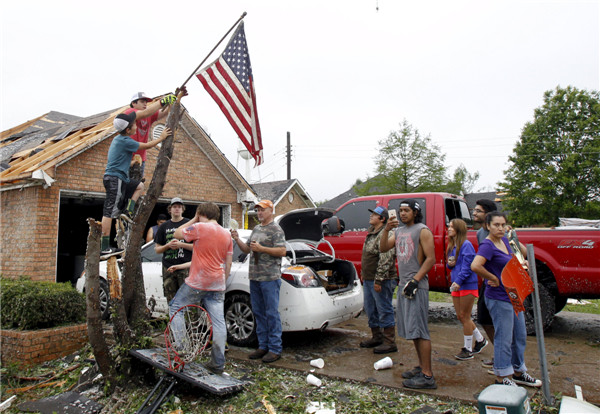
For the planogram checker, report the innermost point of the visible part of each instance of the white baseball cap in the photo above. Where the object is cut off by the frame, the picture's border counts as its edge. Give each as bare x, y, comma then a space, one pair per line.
122, 121
140, 95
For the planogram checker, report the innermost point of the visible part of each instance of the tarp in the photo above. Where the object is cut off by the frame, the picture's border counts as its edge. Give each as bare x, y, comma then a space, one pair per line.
568, 222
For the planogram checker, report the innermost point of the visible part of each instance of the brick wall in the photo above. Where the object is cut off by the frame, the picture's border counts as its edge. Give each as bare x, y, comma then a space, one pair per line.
33, 347
191, 176
29, 219
29, 231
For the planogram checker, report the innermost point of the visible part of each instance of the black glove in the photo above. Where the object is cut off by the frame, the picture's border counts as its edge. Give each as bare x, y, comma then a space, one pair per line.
410, 289
168, 100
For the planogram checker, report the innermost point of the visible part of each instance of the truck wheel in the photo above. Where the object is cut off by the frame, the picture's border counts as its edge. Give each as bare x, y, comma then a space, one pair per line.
547, 304
239, 319
560, 303
104, 299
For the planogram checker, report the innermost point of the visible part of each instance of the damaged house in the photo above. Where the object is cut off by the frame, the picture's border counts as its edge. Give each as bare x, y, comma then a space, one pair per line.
51, 182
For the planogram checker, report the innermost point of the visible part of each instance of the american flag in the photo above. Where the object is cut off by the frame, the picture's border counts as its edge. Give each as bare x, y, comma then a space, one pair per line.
229, 81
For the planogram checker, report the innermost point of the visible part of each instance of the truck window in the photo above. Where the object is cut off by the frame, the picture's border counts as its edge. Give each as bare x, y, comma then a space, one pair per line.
356, 215
395, 204
457, 209
465, 213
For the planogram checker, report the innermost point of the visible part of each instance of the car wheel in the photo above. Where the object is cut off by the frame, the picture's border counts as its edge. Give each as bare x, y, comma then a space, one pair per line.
239, 319
104, 299
547, 303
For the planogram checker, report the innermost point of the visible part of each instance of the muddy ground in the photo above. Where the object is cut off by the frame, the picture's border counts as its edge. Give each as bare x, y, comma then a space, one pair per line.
572, 352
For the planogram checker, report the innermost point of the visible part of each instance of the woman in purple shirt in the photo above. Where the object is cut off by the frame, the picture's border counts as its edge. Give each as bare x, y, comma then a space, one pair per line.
511, 335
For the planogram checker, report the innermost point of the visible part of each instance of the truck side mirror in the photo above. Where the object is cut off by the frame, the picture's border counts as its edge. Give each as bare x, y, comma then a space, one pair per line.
333, 225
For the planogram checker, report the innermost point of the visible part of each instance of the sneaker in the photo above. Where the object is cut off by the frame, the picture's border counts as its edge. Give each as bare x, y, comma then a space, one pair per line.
419, 381
127, 216
111, 251
271, 357
258, 354
488, 363
526, 379
411, 373
479, 345
506, 381
491, 372
464, 354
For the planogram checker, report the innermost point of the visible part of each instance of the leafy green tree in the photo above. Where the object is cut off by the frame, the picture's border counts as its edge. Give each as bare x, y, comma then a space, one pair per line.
408, 162
555, 166
462, 181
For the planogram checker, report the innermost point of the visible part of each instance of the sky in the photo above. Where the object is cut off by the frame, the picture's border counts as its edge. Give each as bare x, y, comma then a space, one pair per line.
339, 75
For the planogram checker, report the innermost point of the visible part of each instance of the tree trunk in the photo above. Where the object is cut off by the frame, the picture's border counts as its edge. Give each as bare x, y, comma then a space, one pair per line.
132, 307
92, 289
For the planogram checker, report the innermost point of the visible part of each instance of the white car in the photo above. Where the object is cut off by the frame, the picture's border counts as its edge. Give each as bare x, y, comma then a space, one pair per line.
317, 291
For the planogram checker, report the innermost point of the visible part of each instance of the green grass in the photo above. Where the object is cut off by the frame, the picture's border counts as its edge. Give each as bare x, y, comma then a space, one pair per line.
440, 297
285, 390
592, 307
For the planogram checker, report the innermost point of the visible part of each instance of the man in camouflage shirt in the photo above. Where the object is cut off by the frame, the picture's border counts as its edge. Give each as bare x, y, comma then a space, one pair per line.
267, 246
379, 278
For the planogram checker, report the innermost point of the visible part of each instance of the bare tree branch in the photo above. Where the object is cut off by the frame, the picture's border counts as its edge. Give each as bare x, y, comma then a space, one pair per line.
92, 289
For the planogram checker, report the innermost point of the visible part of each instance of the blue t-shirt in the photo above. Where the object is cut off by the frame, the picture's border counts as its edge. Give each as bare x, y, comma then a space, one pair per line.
461, 273
119, 156
496, 259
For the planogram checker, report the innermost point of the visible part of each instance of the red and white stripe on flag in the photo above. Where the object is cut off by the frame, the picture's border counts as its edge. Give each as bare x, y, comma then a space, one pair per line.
229, 81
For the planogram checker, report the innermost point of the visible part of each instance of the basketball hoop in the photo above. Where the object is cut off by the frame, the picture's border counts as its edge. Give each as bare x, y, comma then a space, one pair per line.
187, 334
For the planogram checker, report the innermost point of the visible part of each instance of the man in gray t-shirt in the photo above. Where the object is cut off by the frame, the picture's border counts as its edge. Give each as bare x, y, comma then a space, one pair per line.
415, 252
267, 246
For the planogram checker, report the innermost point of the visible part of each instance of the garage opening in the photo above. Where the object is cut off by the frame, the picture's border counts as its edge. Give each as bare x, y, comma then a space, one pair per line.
73, 229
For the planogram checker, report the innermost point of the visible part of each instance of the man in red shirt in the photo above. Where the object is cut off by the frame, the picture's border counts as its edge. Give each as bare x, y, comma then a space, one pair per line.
209, 270
146, 115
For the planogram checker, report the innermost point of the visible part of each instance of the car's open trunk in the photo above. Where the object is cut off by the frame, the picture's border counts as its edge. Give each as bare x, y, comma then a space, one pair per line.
336, 277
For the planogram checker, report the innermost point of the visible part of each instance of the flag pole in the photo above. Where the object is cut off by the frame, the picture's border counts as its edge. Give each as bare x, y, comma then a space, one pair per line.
213, 49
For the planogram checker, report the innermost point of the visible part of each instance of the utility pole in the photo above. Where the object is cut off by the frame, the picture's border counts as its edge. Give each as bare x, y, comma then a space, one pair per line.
289, 157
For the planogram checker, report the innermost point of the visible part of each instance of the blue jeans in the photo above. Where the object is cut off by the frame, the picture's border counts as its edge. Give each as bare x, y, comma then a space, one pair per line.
264, 297
213, 302
509, 339
378, 305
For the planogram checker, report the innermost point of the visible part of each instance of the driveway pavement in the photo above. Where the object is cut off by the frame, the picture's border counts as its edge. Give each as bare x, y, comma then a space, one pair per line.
572, 349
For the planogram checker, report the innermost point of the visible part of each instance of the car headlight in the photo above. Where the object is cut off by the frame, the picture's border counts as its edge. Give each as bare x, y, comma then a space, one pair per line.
301, 276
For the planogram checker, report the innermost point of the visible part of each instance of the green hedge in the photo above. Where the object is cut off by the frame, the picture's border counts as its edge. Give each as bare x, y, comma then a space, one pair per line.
38, 305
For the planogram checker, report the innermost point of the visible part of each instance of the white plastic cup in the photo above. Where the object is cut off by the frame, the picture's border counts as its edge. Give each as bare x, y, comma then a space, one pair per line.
317, 363
384, 363
312, 380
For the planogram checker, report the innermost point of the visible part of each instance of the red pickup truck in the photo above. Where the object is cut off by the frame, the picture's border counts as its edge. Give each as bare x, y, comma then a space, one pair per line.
567, 261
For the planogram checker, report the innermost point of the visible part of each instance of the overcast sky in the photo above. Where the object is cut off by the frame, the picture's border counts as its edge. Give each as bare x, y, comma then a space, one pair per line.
338, 75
